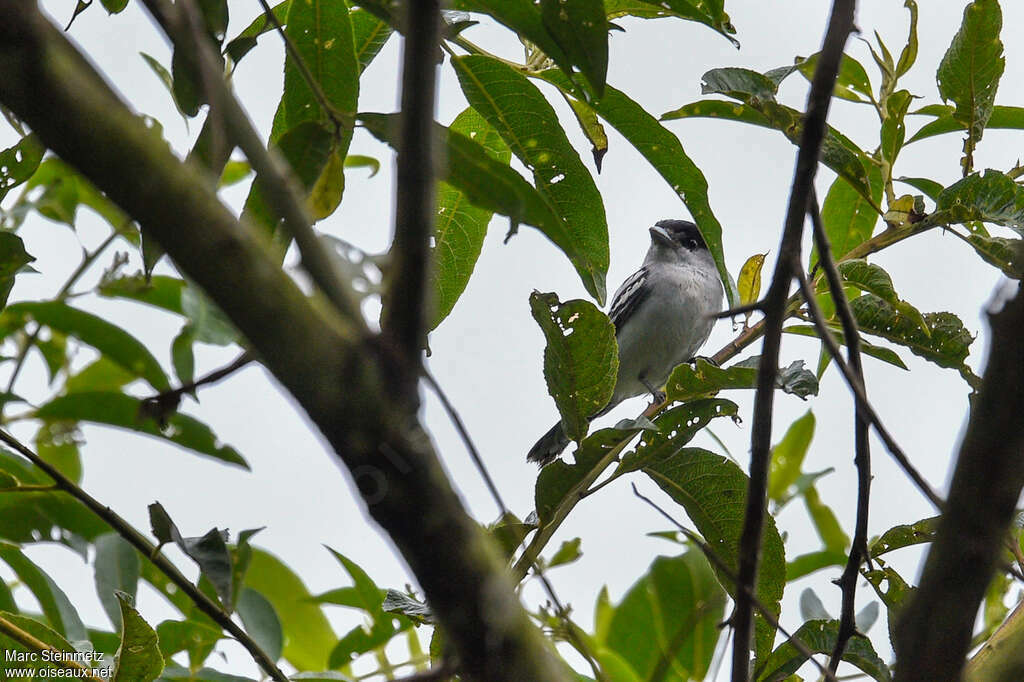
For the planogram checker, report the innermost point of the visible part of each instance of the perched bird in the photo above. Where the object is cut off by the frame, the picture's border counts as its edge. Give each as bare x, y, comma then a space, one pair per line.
662, 314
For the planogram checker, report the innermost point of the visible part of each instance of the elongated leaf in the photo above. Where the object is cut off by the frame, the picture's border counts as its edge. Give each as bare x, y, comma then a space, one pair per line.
110, 340
460, 227
665, 153
580, 359
849, 218
909, 53
528, 124
261, 622
969, 72
713, 492
1002, 117
369, 35
676, 427
930, 188
240, 45
893, 591
18, 163
25, 657
879, 352
591, 126
852, 83
819, 636
872, 279
310, 636
704, 380
711, 14
750, 278
904, 535
991, 197
668, 620
788, 454
116, 570
116, 409
1005, 254
947, 344
64, 191
195, 638
581, 30
58, 609
825, 521
13, 257
138, 658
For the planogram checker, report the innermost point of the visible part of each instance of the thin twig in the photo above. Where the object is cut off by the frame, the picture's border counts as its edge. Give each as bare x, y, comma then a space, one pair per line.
167, 401
726, 570
273, 173
149, 550
403, 321
811, 138
855, 386
304, 71
478, 462
740, 310
862, 450
27, 640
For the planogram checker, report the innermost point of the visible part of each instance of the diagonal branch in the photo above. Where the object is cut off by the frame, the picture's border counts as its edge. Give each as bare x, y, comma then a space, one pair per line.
151, 552
933, 633
861, 424
813, 133
335, 369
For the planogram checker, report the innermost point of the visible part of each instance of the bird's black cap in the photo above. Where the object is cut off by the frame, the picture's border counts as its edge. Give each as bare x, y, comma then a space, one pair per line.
683, 232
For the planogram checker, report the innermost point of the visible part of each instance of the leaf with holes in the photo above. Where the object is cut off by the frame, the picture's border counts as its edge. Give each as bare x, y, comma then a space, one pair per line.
819, 636
991, 197
873, 279
676, 427
18, 163
905, 535
580, 359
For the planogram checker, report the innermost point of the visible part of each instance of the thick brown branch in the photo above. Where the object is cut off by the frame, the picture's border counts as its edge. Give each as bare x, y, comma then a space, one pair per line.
328, 362
818, 100
934, 631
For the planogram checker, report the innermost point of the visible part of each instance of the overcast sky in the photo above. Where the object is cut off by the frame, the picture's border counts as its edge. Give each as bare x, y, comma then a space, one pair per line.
488, 354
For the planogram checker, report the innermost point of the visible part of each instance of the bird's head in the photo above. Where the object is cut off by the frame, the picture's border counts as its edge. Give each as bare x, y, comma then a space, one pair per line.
677, 241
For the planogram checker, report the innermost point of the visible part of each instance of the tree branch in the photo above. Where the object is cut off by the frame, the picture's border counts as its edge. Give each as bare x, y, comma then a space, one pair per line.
861, 424
403, 318
333, 367
150, 551
812, 135
933, 633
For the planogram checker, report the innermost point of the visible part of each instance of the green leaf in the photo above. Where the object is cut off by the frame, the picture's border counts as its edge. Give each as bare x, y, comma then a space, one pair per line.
713, 492
370, 596
322, 33
1005, 254
115, 570
591, 127
182, 357
580, 28
110, 340
749, 283
852, 83
208, 323
65, 190
102, 375
947, 344
13, 257
30, 658
210, 552
568, 552
166, 79
894, 130
711, 14
261, 622
750, 87
403, 604
879, 352
60, 613
991, 197
909, 53
787, 456
806, 564
905, 535
369, 35
460, 227
195, 638
240, 45
116, 409
893, 591
509, 532
930, 188
675, 428
58, 446
825, 521
1002, 117
819, 636
19, 162
872, 279
310, 637
668, 620
580, 358
307, 148
158, 291
970, 70
665, 153
234, 172
138, 658
530, 127
704, 380
325, 195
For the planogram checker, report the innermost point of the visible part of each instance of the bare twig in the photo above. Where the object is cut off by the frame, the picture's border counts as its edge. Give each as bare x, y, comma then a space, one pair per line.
149, 550
862, 451
273, 173
740, 310
403, 321
168, 401
933, 632
818, 100
726, 570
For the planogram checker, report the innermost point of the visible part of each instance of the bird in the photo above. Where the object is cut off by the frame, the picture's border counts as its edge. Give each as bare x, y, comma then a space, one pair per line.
663, 313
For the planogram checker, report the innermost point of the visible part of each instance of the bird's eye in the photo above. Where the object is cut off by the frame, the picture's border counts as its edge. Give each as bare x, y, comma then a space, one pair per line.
691, 244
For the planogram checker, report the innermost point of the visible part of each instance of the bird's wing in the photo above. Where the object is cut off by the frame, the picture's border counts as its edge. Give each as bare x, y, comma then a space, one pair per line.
628, 298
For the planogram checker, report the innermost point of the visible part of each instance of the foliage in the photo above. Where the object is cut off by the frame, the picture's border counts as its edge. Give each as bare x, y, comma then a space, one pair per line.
666, 625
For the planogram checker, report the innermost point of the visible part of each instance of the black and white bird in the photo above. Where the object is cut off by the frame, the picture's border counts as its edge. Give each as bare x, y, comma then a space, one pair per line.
663, 313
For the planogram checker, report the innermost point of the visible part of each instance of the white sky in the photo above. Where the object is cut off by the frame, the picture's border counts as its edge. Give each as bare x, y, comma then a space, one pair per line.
488, 354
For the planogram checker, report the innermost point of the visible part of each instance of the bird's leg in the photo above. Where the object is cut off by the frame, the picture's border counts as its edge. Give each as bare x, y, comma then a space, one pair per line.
657, 396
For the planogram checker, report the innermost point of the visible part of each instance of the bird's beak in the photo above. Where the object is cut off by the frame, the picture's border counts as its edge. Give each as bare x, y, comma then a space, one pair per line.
659, 234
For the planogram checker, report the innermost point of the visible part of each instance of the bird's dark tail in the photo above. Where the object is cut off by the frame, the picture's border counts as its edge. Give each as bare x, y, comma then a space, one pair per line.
550, 445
